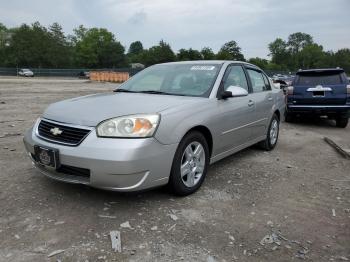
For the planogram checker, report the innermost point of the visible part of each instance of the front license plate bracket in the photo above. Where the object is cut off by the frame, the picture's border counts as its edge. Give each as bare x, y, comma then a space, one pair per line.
47, 156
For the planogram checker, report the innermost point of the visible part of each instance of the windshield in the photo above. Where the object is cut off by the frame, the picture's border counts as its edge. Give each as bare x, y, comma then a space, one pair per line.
174, 79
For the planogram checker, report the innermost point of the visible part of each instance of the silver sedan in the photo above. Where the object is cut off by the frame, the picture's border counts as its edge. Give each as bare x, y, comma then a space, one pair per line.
163, 126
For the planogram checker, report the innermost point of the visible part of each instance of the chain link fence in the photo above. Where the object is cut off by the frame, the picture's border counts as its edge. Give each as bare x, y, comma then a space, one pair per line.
64, 72
76, 71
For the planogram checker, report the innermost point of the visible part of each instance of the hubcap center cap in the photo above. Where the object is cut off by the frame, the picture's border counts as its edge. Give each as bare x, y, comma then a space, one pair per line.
192, 164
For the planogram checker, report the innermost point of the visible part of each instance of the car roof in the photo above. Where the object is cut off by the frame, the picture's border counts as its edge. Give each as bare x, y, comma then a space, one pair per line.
213, 62
320, 71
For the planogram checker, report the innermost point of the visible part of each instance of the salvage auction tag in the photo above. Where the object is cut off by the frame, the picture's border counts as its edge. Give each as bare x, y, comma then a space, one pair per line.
198, 67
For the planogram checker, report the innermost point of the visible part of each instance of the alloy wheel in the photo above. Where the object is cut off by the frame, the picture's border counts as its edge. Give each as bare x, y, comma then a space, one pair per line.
192, 164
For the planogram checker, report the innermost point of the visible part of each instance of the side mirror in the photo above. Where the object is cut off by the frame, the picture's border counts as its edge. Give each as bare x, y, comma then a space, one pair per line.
277, 85
234, 91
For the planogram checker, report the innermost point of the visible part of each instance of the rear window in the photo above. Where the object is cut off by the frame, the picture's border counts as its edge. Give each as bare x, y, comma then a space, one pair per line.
314, 80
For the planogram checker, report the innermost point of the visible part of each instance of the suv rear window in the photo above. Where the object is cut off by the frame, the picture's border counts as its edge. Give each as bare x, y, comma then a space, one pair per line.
324, 79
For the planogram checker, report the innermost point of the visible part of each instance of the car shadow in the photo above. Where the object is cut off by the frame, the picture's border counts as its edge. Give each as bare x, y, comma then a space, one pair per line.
313, 121
87, 193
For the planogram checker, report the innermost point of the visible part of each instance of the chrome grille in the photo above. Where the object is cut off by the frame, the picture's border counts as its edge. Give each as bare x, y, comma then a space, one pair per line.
68, 135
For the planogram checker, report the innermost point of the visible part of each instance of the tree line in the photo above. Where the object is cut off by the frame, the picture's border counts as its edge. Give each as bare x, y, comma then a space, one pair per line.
49, 47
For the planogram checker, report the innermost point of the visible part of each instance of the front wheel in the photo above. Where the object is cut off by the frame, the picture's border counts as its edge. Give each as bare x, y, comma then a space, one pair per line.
272, 134
190, 164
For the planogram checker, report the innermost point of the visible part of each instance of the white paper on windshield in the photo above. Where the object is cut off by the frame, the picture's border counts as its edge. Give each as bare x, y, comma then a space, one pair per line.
204, 68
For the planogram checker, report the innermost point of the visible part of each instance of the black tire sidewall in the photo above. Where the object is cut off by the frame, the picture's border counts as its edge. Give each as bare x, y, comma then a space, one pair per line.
175, 180
342, 122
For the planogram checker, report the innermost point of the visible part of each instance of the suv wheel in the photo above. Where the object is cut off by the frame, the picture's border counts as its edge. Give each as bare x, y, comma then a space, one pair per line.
342, 121
190, 164
272, 134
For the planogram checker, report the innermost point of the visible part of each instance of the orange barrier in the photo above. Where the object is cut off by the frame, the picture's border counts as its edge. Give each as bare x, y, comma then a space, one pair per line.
105, 76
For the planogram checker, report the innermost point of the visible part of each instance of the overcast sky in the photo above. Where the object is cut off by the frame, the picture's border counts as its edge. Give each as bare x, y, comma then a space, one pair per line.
194, 23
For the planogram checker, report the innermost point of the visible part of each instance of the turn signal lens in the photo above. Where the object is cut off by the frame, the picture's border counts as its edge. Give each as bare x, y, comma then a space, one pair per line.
290, 90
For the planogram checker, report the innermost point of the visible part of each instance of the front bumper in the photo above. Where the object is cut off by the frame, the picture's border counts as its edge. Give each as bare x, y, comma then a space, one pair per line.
319, 109
114, 164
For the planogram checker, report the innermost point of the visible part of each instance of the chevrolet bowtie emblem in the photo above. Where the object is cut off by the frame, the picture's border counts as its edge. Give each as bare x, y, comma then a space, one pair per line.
56, 131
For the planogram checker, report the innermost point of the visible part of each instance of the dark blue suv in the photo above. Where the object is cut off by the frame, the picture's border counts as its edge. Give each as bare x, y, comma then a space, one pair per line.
320, 92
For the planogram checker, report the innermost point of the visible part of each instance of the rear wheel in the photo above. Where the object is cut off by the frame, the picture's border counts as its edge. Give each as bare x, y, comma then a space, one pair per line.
272, 134
342, 121
190, 164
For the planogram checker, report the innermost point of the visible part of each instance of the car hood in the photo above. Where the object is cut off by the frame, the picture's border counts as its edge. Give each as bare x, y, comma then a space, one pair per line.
92, 109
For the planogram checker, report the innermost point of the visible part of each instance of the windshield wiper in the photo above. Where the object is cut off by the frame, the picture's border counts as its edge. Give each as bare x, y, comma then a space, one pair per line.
124, 90
160, 93
147, 92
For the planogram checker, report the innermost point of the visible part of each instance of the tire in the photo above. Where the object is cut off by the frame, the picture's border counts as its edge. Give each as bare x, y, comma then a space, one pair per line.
288, 117
342, 121
188, 180
272, 134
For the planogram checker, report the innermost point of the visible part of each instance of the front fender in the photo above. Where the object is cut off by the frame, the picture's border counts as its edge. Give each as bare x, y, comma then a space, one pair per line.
175, 123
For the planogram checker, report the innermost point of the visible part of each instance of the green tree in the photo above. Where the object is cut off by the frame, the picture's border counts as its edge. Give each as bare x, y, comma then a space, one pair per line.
297, 41
97, 47
60, 50
310, 56
135, 48
275, 67
189, 55
29, 46
230, 51
260, 62
3, 44
278, 52
79, 33
3, 35
207, 53
135, 52
342, 59
158, 54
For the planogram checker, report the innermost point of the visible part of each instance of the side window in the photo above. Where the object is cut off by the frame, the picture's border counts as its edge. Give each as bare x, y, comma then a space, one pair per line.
267, 83
257, 80
236, 77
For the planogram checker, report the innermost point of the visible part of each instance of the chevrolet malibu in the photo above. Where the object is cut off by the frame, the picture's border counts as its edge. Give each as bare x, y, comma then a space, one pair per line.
163, 126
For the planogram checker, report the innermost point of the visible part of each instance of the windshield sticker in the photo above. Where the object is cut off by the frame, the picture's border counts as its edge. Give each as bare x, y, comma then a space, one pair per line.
206, 68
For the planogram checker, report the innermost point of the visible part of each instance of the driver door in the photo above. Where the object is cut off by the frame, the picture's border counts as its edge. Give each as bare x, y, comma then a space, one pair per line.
237, 113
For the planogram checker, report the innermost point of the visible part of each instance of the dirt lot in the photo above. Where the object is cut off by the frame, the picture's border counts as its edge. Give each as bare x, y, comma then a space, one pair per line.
299, 193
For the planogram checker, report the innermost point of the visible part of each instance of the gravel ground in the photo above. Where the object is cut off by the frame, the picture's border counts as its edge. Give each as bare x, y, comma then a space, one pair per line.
298, 196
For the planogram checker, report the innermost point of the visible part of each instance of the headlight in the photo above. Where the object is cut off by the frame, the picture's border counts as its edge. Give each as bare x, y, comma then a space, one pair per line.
129, 126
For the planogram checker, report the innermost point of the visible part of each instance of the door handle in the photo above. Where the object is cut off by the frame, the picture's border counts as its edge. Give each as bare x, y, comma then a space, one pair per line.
270, 98
250, 103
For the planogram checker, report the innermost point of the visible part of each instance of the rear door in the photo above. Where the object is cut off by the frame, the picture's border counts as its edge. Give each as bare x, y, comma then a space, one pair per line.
320, 87
263, 99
